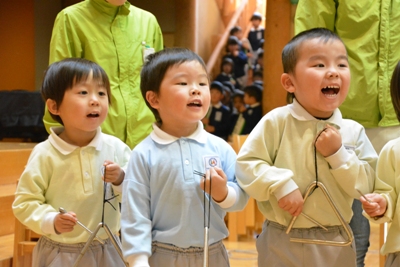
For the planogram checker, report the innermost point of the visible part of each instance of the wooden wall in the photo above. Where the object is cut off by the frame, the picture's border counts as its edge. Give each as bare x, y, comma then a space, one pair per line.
17, 55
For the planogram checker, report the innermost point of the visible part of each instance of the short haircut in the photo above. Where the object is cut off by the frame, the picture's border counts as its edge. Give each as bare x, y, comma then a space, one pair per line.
63, 75
157, 65
290, 51
238, 93
395, 90
227, 61
254, 91
234, 30
256, 16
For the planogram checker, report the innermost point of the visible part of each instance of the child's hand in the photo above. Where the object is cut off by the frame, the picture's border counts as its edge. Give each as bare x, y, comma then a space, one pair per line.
242, 108
329, 141
113, 173
292, 203
377, 207
65, 222
219, 188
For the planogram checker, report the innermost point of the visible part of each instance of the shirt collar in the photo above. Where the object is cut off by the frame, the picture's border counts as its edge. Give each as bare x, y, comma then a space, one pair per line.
301, 114
255, 105
218, 105
107, 8
66, 148
163, 138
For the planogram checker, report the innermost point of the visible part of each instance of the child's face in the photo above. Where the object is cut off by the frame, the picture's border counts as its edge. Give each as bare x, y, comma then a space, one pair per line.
216, 96
321, 77
238, 103
227, 68
84, 106
184, 96
256, 23
249, 100
233, 47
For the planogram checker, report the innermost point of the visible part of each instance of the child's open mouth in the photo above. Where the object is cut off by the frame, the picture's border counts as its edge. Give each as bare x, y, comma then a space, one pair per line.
331, 90
195, 104
93, 115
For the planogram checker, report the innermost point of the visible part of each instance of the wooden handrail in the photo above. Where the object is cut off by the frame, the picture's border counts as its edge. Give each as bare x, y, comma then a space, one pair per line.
222, 42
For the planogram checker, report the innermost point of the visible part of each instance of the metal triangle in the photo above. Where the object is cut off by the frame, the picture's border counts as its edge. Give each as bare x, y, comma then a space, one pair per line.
338, 215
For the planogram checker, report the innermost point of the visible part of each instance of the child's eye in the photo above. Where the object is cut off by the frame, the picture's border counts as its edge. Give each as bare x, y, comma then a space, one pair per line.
182, 83
83, 92
203, 84
343, 65
102, 93
320, 65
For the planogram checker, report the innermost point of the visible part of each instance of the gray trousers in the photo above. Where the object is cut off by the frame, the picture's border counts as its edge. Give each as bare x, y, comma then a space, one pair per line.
167, 255
276, 250
48, 253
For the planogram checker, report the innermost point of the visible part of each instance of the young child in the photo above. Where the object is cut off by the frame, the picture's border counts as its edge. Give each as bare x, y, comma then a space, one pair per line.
237, 121
66, 170
239, 59
384, 201
217, 118
256, 33
227, 72
117, 36
253, 114
301, 143
162, 205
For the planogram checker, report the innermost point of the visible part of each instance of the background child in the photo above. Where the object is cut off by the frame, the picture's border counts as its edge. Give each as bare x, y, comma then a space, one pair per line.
239, 59
162, 218
253, 114
227, 72
65, 170
384, 201
237, 120
305, 142
256, 33
217, 119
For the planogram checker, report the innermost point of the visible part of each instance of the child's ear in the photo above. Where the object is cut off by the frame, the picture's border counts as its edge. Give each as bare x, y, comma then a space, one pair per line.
52, 106
287, 83
152, 98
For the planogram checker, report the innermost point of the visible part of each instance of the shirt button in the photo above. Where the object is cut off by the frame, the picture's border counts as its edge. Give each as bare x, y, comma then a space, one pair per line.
187, 162
86, 174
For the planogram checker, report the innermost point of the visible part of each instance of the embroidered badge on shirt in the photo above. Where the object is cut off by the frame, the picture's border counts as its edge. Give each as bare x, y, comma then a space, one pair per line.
211, 161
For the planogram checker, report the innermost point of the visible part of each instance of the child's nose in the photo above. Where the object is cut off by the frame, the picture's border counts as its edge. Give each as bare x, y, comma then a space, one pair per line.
194, 91
94, 101
332, 73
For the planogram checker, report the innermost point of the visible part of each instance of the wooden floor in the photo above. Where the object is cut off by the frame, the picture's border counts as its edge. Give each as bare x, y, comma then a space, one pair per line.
244, 254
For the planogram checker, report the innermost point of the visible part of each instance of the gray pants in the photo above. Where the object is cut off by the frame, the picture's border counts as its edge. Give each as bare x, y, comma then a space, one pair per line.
167, 255
48, 253
276, 250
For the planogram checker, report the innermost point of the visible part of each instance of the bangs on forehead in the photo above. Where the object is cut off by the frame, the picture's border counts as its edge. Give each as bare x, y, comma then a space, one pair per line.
83, 74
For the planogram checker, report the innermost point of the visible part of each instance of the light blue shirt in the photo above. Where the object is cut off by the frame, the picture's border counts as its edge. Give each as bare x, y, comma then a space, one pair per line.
162, 199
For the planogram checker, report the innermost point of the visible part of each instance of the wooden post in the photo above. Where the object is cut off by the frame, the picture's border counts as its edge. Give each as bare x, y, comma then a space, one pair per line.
277, 34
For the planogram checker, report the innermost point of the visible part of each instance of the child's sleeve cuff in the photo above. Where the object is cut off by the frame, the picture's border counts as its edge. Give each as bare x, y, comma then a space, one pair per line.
230, 199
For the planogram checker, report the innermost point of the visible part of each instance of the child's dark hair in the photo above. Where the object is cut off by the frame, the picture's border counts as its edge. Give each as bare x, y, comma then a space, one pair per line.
228, 61
234, 30
63, 75
290, 51
254, 91
158, 64
395, 90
